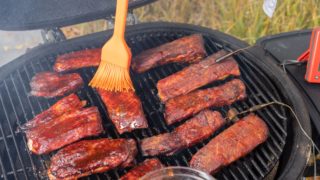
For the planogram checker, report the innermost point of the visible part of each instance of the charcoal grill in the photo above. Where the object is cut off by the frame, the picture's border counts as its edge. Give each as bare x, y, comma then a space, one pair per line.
285, 152
264, 82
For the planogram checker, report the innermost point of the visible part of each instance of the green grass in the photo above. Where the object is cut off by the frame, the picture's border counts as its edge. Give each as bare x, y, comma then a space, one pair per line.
244, 19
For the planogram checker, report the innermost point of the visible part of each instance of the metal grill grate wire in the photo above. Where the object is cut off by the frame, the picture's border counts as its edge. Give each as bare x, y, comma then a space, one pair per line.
16, 107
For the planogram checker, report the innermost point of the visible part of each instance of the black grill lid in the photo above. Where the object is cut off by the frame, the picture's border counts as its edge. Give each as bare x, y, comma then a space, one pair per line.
37, 14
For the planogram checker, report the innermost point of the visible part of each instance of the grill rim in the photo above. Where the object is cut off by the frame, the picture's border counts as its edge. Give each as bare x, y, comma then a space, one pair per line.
301, 147
298, 104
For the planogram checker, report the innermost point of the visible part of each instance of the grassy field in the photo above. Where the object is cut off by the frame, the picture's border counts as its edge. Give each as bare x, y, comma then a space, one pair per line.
244, 19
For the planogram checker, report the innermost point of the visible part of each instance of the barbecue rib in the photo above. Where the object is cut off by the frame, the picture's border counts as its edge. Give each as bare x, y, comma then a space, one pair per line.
77, 60
184, 106
124, 109
65, 105
51, 84
191, 132
197, 75
233, 143
142, 169
63, 130
187, 49
91, 156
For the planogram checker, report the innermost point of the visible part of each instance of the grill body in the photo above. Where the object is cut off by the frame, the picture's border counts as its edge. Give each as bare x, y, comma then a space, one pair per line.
264, 81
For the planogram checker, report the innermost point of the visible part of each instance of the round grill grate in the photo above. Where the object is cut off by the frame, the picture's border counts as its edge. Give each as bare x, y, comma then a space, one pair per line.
16, 107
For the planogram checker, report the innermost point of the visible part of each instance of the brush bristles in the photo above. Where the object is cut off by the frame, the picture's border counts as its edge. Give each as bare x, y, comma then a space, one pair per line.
112, 78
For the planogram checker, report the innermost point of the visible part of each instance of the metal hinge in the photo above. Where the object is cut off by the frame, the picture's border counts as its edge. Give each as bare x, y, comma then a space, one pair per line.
131, 20
52, 35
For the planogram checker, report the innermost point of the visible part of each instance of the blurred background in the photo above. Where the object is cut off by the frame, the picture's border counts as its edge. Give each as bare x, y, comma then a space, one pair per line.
244, 19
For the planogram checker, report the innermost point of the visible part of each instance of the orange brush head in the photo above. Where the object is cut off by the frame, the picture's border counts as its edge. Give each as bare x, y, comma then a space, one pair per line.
112, 78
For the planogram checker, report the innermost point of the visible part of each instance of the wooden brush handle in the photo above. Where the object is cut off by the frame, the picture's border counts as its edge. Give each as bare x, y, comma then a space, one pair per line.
121, 18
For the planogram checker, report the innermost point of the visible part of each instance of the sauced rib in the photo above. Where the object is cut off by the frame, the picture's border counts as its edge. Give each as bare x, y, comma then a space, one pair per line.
233, 143
187, 49
77, 60
64, 105
142, 169
51, 84
197, 75
124, 109
184, 106
191, 132
91, 156
63, 130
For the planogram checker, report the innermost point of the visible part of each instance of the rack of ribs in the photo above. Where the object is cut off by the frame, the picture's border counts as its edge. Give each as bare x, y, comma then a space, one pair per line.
124, 109
184, 106
65, 105
142, 169
188, 134
51, 84
63, 130
77, 60
197, 75
91, 156
233, 143
189, 49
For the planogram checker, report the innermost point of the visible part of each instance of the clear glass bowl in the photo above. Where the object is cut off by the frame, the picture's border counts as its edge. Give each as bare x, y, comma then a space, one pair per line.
177, 173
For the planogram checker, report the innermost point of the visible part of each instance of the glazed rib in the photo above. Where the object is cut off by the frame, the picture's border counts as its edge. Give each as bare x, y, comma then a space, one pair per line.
124, 109
142, 169
63, 130
64, 105
51, 84
197, 75
187, 49
233, 143
77, 60
91, 156
191, 132
184, 106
